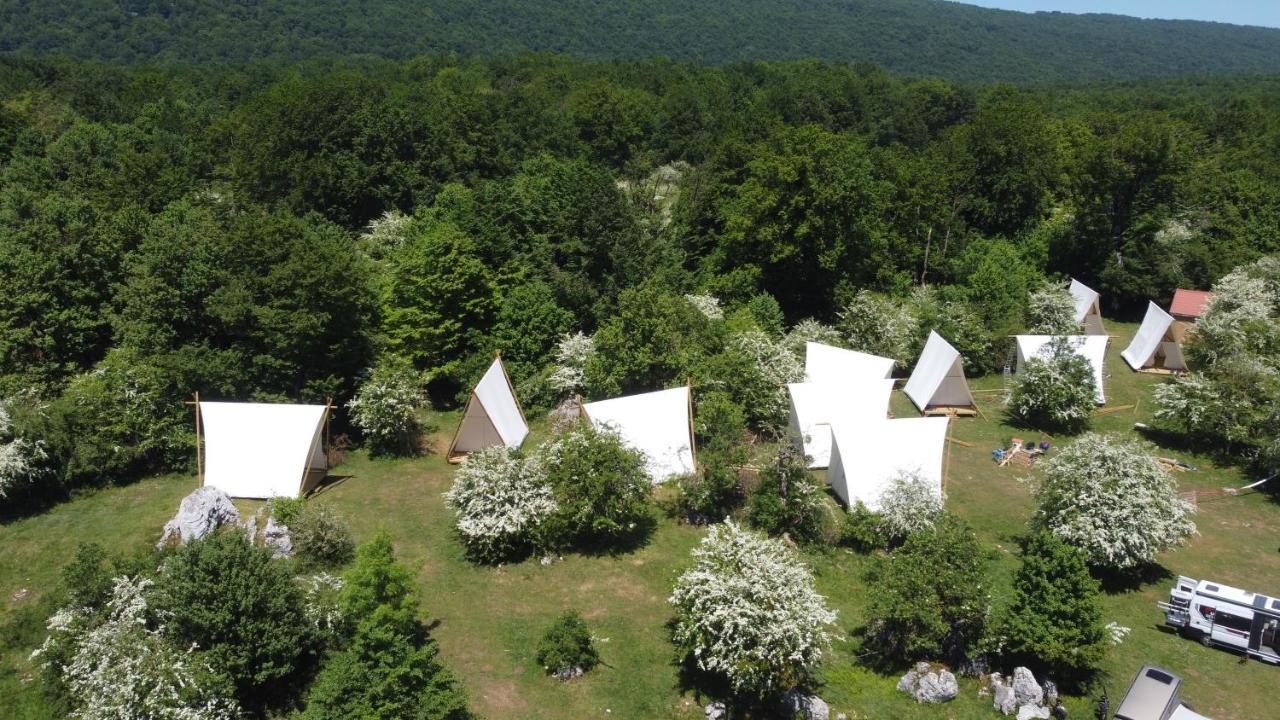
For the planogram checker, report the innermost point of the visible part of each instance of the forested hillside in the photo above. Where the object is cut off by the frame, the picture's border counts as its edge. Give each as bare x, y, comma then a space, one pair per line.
925, 37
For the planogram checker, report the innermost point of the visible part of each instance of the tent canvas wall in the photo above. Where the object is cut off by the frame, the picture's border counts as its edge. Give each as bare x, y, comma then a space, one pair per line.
867, 456
1091, 347
816, 406
658, 424
824, 363
261, 450
493, 415
1088, 310
938, 377
1154, 345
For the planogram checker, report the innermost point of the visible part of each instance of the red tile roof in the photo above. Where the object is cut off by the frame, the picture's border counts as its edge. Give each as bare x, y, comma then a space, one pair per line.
1189, 303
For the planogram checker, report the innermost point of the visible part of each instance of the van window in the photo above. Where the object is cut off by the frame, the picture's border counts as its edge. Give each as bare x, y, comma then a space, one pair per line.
1235, 622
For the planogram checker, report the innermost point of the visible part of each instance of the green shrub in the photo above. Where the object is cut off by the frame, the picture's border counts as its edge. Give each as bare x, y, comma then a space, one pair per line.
385, 408
86, 580
243, 612
713, 492
566, 650
789, 500
719, 423
601, 489
1057, 392
321, 538
285, 509
861, 529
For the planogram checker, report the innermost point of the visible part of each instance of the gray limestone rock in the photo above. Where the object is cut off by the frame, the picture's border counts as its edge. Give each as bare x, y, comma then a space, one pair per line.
805, 707
200, 513
1025, 687
276, 537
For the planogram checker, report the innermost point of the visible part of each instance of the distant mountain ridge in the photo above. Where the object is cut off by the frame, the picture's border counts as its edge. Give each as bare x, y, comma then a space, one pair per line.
927, 37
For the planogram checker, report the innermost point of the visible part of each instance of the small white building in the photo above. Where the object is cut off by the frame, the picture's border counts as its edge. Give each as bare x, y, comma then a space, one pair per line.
867, 456
262, 450
658, 424
937, 382
493, 415
816, 406
1091, 347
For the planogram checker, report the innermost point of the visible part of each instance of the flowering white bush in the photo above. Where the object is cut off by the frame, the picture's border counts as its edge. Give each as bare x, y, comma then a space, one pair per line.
762, 388
500, 499
1051, 310
749, 611
810, 330
320, 593
22, 463
880, 325
385, 408
1109, 498
1116, 632
707, 305
1059, 391
572, 355
386, 233
908, 505
120, 669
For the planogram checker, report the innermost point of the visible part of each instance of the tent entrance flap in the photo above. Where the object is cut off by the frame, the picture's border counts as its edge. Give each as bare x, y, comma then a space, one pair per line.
493, 416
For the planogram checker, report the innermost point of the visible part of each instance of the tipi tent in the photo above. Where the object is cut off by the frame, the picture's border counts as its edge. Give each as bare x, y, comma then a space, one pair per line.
824, 363
262, 450
1091, 347
1154, 344
1088, 310
658, 424
937, 381
867, 456
493, 415
816, 406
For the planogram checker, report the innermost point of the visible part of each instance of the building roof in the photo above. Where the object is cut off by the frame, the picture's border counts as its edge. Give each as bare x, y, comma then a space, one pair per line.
1189, 303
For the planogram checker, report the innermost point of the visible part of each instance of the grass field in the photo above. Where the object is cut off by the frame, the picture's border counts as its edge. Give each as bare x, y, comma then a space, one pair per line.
489, 619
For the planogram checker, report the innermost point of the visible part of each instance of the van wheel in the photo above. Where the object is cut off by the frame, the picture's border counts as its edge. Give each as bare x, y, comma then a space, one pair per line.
1205, 640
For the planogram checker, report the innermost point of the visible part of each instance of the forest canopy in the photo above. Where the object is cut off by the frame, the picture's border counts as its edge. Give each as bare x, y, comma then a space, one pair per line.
923, 37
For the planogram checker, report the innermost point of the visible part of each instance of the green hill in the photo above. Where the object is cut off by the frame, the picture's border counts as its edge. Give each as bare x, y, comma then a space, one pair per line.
912, 36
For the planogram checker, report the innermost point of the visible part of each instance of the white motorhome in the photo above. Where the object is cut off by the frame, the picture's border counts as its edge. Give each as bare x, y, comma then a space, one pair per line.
1217, 614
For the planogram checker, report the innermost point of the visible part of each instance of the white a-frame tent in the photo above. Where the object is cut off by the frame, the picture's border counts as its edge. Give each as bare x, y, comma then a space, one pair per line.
824, 363
1088, 310
261, 450
1155, 346
867, 456
815, 407
937, 382
1091, 347
493, 415
658, 424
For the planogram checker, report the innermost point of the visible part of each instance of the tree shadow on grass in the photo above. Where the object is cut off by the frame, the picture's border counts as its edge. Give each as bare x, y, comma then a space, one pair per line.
1115, 582
616, 545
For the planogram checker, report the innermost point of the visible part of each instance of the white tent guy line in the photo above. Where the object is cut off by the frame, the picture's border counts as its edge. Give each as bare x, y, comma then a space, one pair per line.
1154, 341
1091, 347
816, 406
938, 377
262, 450
824, 363
867, 456
658, 424
1088, 310
493, 415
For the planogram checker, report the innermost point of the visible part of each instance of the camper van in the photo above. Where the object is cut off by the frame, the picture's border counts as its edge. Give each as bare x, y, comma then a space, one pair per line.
1218, 614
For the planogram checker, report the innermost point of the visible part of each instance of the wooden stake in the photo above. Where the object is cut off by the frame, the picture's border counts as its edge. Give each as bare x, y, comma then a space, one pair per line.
946, 465
199, 461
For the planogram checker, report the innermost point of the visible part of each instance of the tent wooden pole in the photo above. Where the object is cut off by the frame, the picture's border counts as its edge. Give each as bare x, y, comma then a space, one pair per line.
199, 460
693, 442
328, 418
946, 465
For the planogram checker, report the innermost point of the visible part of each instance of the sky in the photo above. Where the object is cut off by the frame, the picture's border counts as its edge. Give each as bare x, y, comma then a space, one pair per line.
1240, 12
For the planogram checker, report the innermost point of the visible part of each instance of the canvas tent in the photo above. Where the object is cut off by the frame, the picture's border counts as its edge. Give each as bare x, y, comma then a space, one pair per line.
1088, 310
1154, 345
867, 456
493, 415
262, 450
824, 363
937, 381
1091, 347
658, 424
816, 406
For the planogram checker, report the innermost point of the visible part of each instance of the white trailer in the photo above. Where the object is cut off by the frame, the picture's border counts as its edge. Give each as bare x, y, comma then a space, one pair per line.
1217, 614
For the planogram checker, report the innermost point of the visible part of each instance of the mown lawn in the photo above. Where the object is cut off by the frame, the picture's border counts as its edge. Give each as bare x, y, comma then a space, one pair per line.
488, 619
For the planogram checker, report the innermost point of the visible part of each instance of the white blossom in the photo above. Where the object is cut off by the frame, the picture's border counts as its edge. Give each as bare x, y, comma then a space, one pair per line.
908, 505
386, 234
1051, 310
1112, 500
765, 393
22, 463
880, 325
748, 610
385, 407
119, 669
320, 601
707, 305
810, 330
499, 499
572, 355
1116, 632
